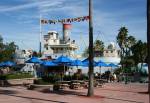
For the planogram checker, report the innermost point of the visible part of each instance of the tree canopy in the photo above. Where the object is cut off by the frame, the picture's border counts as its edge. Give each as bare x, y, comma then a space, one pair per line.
132, 51
7, 50
98, 49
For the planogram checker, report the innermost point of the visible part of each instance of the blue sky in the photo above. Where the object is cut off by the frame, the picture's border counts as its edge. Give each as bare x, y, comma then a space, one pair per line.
19, 19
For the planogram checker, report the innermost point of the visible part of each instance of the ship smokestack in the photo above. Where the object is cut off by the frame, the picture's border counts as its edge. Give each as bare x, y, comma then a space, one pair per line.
66, 32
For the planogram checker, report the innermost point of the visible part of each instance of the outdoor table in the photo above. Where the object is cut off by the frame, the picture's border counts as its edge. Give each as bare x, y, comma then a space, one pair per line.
77, 81
75, 85
63, 84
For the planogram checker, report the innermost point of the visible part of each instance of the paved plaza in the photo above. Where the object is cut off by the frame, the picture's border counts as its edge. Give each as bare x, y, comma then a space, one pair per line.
110, 93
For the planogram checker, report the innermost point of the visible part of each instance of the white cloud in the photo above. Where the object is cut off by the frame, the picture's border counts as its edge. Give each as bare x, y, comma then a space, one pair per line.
32, 4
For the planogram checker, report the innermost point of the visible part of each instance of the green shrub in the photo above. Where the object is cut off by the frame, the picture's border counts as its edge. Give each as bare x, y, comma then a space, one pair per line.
15, 76
51, 78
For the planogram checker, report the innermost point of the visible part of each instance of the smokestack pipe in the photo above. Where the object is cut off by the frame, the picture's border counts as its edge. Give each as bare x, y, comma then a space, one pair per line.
66, 32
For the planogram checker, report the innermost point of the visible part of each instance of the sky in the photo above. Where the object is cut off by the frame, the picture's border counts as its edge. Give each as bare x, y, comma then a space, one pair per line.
19, 20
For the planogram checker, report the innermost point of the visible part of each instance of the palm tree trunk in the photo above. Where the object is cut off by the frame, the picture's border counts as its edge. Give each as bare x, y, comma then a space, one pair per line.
148, 41
91, 69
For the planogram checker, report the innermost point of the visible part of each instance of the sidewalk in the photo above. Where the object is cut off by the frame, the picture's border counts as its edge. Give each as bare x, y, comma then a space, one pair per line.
111, 93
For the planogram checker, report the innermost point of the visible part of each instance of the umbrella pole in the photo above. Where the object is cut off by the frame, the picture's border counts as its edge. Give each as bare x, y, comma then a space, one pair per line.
77, 73
35, 74
111, 69
110, 74
64, 72
100, 72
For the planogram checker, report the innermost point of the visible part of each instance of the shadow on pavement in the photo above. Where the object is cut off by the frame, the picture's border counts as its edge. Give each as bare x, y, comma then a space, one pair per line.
123, 100
64, 92
144, 92
8, 92
36, 98
119, 90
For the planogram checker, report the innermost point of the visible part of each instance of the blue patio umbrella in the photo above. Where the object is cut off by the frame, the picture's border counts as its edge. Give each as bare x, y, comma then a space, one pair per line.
2, 64
49, 63
86, 62
112, 65
8, 63
63, 60
76, 63
34, 60
101, 64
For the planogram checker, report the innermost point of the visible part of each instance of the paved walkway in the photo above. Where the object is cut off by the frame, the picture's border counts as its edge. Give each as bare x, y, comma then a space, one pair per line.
111, 93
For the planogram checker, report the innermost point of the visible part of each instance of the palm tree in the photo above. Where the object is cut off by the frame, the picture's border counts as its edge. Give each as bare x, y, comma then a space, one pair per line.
130, 42
121, 39
139, 51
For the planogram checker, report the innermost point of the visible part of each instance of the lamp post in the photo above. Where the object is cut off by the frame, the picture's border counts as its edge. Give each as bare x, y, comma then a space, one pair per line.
91, 69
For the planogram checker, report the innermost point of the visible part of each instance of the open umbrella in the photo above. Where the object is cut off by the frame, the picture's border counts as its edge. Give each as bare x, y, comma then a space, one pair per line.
49, 63
2, 64
112, 65
8, 64
86, 62
76, 63
63, 60
101, 64
34, 60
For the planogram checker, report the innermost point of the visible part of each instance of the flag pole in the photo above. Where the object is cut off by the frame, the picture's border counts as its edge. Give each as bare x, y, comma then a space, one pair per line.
40, 37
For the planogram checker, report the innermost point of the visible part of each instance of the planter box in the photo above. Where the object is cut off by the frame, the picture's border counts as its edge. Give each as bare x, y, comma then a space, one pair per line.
13, 82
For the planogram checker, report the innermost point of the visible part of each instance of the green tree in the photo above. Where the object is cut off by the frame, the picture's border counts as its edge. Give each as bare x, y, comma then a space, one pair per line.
7, 50
139, 51
125, 43
1, 43
98, 47
121, 39
129, 43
